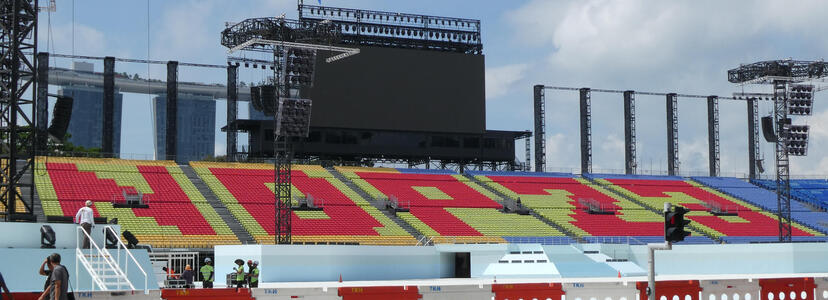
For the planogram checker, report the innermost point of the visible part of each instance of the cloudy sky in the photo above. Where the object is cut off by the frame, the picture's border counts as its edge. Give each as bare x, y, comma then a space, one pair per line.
659, 46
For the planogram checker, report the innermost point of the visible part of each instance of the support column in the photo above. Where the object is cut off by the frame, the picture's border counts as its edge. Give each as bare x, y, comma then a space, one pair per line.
586, 130
42, 103
540, 128
528, 166
783, 172
108, 132
172, 109
232, 112
713, 134
753, 136
672, 135
629, 132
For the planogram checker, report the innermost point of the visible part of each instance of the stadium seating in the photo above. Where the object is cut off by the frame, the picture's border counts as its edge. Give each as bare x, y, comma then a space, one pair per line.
247, 191
178, 215
767, 199
558, 198
811, 191
654, 191
447, 206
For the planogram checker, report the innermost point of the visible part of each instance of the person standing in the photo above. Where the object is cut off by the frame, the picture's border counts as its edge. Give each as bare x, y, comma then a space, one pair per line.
207, 274
254, 274
46, 270
188, 275
86, 218
240, 276
59, 280
4, 288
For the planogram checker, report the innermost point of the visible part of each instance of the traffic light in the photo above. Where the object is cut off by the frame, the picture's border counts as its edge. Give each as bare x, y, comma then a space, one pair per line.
674, 223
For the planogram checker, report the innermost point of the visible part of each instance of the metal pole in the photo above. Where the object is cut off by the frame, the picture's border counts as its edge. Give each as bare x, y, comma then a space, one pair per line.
652, 247
540, 128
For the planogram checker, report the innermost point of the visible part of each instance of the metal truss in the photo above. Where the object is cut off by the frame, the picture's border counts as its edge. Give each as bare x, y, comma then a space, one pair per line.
18, 91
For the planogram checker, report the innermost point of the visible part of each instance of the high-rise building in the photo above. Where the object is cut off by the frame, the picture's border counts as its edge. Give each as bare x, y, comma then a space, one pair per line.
195, 127
86, 123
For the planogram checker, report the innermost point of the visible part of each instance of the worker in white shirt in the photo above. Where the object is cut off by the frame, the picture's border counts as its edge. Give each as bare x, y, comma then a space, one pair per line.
86, 219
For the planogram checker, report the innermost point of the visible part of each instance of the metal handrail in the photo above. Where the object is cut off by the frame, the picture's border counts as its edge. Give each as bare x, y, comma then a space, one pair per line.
107, 257
122, 245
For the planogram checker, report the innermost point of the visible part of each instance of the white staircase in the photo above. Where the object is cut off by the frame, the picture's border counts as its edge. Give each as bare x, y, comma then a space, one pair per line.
108, 271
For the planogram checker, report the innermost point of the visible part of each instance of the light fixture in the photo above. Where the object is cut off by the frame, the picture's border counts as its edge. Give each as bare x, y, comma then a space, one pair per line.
47, 237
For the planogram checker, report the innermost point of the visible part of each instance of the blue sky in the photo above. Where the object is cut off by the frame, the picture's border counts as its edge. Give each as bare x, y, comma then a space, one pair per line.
663, 46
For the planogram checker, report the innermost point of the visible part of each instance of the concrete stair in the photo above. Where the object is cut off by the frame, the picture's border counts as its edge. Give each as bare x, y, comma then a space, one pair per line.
222, 211
379, 204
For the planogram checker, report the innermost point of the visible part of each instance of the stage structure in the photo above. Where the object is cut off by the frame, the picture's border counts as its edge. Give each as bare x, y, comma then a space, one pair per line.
671, 125
294, 49
792, 96
18, 99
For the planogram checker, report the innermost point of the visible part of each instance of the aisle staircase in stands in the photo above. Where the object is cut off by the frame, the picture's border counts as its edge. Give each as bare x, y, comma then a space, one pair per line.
644, 205
379, 204
509, 202
221, 210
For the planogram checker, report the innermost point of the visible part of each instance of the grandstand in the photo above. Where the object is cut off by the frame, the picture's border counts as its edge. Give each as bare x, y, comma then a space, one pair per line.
247, 191
584, 209
178, 216
447, 206
388, 206
715, 214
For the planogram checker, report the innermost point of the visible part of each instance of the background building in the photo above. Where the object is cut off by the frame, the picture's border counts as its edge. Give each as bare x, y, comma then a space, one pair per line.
195, 129
86, 124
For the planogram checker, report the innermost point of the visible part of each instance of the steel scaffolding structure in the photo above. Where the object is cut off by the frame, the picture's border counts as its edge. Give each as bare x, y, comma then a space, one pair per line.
672, 135
629, 132
18, 95
780, 75
713, 135
586, 130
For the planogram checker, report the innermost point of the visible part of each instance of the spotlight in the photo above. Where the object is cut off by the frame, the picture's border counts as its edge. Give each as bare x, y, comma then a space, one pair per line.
246, 65
47, 237
131, 240
111, 239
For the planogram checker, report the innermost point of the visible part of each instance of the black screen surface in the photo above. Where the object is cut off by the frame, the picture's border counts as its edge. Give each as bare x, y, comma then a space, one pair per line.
400, 89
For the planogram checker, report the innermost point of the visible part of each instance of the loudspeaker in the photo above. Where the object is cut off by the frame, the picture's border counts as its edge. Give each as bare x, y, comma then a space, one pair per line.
61, 115
767, 129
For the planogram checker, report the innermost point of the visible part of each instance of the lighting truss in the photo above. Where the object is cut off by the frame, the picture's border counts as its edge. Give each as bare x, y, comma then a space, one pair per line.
263, 45
766, 72
398, 30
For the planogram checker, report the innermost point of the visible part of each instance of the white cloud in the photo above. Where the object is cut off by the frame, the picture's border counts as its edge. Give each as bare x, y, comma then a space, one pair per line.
184, 31
88, 40
560, 153
685, 47
501, 80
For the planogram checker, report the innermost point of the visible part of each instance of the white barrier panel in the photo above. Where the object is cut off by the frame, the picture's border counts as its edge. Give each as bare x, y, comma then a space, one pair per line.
297, 293
737, 289
136, 295
455, 292
821, 288
600, 291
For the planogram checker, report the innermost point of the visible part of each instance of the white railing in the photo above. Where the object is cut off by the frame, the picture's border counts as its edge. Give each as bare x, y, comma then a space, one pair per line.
122, 246
95, 260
